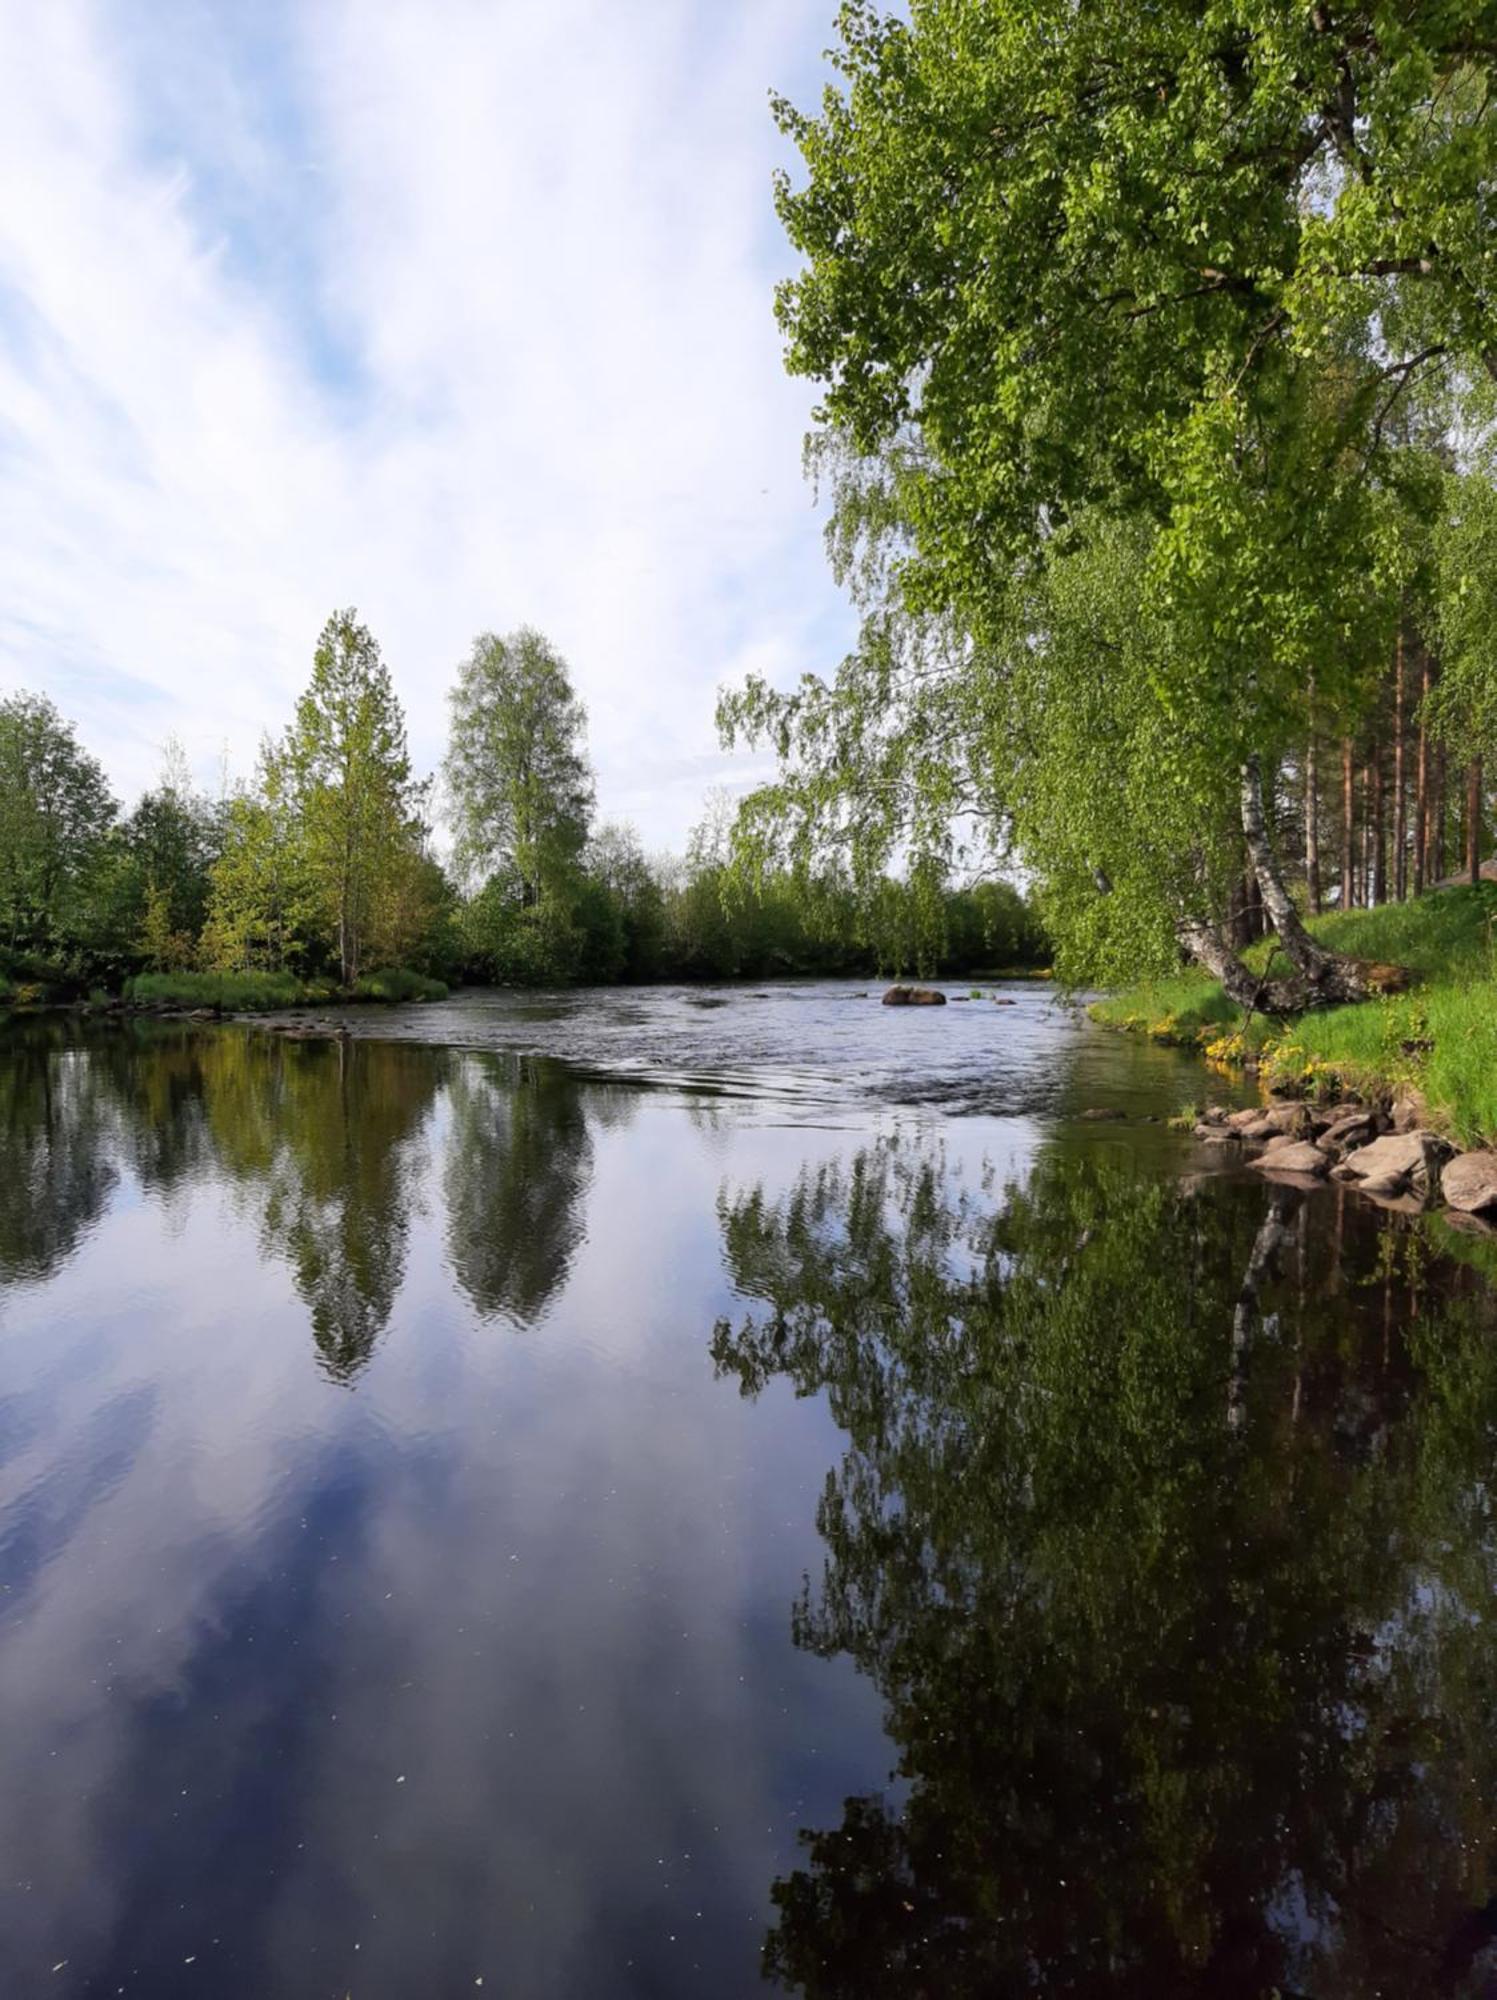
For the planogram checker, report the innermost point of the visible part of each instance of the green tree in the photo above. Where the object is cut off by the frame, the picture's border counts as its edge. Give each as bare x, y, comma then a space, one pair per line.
349, 776
516, 772
1068, 266
263, 903
56, 811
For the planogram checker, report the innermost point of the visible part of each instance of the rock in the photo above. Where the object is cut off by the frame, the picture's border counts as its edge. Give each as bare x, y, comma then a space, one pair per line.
914, 996
1214, 1114
1356, 1128
1293, 1119
1471, 1225
1408, 1111
1251, 1114
1216, 1135
1399, 1162
1292, 1156
1104, 1113
1469, 1183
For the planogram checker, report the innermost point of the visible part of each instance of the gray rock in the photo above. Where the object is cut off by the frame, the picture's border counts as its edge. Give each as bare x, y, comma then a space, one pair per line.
914, 996
1286, 1155
1469, 1183
1398, 1162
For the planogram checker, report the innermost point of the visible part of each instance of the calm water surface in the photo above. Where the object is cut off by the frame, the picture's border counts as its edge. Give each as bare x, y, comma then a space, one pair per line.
652, 1494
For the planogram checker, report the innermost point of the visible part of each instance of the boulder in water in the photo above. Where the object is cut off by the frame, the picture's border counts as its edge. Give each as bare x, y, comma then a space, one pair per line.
914, 996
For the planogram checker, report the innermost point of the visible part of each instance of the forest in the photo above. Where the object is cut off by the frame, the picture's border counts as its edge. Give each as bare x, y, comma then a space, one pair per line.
320, 876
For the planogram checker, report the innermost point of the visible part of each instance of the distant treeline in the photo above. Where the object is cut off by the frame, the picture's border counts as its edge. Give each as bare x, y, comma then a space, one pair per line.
322, 870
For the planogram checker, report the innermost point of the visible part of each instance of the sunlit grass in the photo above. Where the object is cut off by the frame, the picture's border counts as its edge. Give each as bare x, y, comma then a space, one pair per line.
235, 992
1439, 1038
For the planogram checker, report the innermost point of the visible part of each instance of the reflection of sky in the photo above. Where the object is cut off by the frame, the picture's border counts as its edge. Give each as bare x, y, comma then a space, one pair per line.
479, 1668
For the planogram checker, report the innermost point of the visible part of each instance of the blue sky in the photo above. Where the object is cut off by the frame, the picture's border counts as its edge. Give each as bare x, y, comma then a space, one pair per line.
457, 311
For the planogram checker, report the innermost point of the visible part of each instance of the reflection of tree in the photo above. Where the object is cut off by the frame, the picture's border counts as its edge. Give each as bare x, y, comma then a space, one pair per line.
56, 1150
1193, 1695
518, 1162
338, 1195
316, 1138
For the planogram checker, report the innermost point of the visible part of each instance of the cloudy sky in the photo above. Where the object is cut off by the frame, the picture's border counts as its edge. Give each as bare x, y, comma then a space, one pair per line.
458, 311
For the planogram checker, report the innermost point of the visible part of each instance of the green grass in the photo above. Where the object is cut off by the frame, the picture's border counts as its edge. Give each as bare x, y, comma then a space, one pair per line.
233, 992
263, 992
1439, 1038
398, 983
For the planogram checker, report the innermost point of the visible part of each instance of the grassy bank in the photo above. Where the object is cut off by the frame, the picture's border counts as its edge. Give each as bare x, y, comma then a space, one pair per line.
264, 992
1439, 1038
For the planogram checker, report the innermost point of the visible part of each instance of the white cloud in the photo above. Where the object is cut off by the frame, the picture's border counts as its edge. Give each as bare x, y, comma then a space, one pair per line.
459, 313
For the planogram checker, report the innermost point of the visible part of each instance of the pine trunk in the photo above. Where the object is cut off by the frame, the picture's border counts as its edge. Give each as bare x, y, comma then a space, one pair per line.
1348, 826
1400, 799
1421, 788
1473, 821
1312, 829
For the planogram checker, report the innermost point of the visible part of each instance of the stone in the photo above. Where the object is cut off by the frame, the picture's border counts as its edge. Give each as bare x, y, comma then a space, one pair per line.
1104, 1114
1292, 1156
1408, 1111
914, 996
1291, 1118
1357, 1128
1397, 1162
1216, 1135
1469, 1183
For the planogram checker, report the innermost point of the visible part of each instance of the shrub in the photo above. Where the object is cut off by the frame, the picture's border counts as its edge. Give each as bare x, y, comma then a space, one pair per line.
398, 982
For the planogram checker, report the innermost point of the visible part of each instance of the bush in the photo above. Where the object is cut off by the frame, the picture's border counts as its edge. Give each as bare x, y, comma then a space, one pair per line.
398, 982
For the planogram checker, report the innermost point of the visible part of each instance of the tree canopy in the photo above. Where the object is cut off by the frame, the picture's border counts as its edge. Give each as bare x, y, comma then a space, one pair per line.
1131, 306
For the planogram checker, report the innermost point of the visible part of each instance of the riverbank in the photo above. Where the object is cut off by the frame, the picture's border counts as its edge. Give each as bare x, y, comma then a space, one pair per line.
1435, 1044
223, 992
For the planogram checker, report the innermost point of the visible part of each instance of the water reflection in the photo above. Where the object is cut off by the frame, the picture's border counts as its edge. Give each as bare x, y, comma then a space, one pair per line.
323, 1146
1169, 1548
54, 1142
517, 1170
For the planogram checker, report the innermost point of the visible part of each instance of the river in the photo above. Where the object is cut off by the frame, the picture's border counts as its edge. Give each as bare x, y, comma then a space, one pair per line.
648, 1493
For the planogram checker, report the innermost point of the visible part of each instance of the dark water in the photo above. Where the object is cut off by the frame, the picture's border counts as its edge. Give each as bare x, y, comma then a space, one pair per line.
465, 1518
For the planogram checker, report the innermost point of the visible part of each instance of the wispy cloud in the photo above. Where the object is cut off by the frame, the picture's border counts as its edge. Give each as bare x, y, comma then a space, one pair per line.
456, 312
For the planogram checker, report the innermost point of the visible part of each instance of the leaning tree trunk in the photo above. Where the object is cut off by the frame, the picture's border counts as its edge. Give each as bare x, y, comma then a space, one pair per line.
1328, 978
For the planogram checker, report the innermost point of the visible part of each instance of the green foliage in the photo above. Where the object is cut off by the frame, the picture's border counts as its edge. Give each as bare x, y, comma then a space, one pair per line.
398, 983
358, 813
517, 776
1119, 317
263, 901
1466, 547
56, 814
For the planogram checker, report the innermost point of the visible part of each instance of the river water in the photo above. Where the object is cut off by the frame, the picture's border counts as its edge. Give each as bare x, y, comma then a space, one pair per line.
654, 1493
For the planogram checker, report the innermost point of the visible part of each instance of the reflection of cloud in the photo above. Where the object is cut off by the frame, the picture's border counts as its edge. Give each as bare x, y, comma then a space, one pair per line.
544, 1581
466, 325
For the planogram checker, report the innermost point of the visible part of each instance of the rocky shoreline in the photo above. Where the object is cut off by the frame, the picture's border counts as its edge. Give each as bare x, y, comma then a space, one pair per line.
1388, 1152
